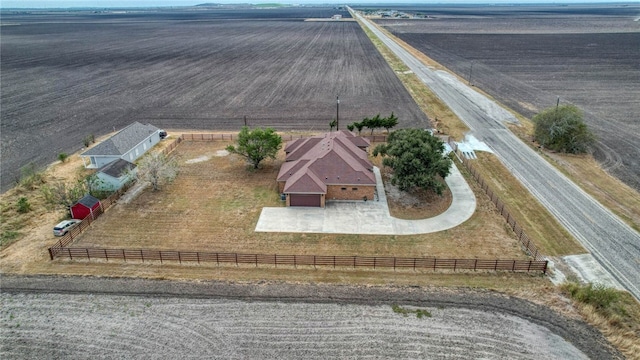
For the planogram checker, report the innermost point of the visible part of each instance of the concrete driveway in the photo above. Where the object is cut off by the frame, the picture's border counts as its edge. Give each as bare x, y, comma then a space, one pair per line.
370, 217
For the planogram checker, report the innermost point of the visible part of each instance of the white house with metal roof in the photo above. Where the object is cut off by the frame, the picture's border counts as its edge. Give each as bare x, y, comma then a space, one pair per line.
128, 144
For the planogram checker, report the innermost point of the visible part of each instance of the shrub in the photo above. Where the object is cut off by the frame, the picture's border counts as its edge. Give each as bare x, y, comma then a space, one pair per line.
63, 157
30, 176
598, 295
8, 236
562, 129
420, 313
88, 140
23, 205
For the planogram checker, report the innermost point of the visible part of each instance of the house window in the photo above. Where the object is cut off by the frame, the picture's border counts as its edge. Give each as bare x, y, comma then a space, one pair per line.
130, 156
137, 151
354, 189
144, 146
343, 189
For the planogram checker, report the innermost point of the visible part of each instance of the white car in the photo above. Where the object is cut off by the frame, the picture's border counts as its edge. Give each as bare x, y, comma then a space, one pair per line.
63, 227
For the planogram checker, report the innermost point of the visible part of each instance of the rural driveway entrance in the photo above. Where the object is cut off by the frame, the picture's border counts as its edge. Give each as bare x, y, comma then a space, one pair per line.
370, 217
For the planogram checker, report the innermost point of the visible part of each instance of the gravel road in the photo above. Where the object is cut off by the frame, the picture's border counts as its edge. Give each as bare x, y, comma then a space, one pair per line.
44, 317
613, 243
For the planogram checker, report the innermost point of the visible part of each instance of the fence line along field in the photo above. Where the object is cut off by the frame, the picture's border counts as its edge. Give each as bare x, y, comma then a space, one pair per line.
215, 202
527, 57
66, 75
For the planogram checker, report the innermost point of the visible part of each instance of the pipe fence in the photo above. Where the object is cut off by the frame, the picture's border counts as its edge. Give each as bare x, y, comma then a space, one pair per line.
524, 239
61, 250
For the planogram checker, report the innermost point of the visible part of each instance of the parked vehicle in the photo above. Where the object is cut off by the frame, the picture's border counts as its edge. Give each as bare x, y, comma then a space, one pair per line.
65, 226
163, 134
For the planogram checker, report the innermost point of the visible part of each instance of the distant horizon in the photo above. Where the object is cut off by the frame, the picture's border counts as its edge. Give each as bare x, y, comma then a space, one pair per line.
102, 4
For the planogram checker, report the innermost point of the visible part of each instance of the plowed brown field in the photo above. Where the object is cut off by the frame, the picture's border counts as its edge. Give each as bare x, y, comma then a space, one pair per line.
526, 57
67, 75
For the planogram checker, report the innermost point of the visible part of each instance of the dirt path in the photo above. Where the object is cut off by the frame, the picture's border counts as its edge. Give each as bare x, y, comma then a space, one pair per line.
79, 317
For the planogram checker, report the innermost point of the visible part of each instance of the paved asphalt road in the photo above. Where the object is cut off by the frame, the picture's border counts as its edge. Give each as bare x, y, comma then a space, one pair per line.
613, 243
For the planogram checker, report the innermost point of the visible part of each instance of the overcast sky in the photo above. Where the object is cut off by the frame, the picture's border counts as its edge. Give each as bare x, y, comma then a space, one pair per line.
153, 3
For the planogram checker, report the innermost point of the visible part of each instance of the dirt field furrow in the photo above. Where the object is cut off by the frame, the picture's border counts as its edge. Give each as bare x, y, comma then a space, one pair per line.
58, 86
585, 55
128, 318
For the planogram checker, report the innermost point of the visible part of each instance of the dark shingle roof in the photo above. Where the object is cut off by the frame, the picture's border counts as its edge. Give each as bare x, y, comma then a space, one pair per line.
117, 168
123, 141
88, 201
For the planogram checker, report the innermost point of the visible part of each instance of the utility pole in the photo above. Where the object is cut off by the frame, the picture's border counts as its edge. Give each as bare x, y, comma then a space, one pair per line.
337, 113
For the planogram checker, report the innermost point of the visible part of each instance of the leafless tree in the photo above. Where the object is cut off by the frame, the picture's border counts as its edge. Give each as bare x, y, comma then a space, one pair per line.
157, 169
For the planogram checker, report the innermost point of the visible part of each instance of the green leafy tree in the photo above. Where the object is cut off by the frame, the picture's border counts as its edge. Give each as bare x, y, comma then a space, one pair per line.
562, 129
373, 123
417, 159
257, 145
157, 169
359, 126
333, 124
389, 122
351, 127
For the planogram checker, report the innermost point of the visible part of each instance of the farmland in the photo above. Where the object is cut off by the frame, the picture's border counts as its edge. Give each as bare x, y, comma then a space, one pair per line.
527, 57
66, 75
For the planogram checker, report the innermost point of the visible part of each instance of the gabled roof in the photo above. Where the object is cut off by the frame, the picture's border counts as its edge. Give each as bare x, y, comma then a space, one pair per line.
123, 141
305, 182
328, 159
117, 168
88, 201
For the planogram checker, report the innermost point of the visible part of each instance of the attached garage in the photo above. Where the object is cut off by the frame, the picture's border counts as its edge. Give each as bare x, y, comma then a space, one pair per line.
311, 200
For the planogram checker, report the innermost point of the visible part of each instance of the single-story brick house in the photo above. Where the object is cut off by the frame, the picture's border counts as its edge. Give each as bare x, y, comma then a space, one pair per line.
331, 166
129, 144
115, 175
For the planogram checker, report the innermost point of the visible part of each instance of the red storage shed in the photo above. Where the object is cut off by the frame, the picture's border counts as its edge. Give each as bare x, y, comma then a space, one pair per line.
84, 207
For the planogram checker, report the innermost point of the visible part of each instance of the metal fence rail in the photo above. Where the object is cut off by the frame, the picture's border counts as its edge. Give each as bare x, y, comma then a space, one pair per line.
524, 239
301, 260
232, 136
61, 250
